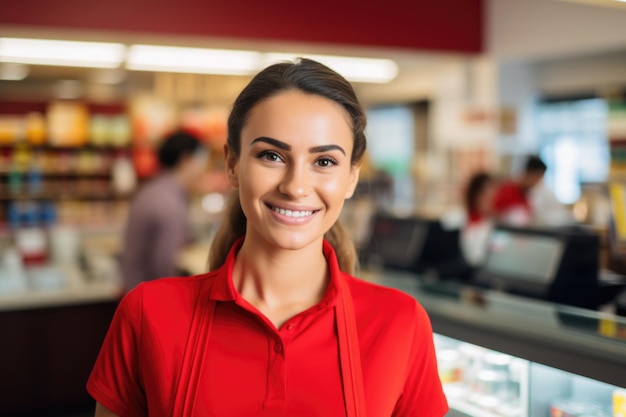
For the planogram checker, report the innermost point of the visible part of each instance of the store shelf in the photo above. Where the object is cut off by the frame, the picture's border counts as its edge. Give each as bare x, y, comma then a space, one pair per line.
50, 147
64, 197
60, 174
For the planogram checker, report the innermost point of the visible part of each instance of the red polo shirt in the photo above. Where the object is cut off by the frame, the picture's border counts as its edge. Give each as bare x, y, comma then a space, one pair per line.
510, 195
163, 357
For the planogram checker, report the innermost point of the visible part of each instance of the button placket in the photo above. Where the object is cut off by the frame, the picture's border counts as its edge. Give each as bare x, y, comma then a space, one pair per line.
276, 377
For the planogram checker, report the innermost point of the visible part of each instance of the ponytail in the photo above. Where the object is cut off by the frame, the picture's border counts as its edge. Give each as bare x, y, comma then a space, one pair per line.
341, 242
234, 226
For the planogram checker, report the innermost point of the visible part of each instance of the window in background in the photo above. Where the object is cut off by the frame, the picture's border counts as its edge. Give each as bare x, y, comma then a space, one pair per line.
573, 143
390, 134
391, 143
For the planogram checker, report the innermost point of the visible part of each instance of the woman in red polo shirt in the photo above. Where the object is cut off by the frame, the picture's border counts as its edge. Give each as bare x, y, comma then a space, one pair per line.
278, 327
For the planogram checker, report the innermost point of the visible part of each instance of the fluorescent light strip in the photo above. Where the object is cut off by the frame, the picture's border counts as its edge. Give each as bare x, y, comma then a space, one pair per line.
192, 60
179, 59
368, 70
61, 53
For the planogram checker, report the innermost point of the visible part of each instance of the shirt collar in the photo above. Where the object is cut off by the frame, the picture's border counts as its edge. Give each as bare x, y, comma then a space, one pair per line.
224, 288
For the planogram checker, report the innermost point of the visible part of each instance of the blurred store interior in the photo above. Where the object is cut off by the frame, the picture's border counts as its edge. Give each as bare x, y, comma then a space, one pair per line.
451, 88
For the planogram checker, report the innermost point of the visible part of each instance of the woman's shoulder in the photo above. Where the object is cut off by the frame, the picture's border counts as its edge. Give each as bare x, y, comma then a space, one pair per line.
165, 293
385, 301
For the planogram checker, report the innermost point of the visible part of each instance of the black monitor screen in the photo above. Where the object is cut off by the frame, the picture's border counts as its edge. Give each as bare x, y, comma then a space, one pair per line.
397, 242
524, 256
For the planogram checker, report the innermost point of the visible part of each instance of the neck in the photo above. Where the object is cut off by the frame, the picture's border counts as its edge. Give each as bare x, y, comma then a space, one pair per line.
280, 280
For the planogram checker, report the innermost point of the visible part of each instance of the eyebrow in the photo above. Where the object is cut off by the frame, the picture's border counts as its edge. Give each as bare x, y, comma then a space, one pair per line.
287, 147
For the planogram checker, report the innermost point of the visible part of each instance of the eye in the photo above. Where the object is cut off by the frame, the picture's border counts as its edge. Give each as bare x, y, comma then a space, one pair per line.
326, 162
270, 156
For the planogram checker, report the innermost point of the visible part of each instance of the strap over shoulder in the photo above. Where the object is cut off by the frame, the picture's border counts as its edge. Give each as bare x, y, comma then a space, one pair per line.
193, 357
350, 353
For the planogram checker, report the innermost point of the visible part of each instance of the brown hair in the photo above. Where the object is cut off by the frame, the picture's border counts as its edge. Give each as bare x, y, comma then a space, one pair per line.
475, 187
310, 77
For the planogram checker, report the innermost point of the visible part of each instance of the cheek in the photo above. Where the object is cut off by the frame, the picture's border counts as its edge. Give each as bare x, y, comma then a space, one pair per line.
335, 187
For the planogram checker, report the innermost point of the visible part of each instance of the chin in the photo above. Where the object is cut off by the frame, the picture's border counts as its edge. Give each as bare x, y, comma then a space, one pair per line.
294, 242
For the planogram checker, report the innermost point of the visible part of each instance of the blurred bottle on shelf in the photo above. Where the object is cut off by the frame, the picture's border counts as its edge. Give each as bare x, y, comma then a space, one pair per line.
35, 126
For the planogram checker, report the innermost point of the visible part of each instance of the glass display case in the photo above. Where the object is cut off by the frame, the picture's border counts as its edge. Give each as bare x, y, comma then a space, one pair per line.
480, 382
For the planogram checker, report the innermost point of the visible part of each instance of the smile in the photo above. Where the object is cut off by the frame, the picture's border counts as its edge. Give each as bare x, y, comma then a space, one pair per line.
292, 213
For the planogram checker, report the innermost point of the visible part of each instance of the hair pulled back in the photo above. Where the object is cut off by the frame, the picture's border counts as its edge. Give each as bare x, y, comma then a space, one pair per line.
309, 77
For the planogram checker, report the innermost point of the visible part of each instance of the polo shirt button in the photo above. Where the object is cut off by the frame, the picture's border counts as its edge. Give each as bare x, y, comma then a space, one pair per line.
290, 326
278, 348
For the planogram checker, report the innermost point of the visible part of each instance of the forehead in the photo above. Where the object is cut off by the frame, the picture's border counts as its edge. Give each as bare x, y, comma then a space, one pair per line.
293, 115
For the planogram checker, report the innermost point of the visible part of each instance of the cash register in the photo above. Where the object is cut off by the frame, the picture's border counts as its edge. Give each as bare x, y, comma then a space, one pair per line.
560, 265
415, 244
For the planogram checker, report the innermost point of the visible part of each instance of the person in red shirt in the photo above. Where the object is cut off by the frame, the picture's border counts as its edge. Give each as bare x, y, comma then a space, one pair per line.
279, 327
479, 198
511, 203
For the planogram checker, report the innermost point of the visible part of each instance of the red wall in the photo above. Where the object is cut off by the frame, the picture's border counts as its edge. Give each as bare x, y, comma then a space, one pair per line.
445, 25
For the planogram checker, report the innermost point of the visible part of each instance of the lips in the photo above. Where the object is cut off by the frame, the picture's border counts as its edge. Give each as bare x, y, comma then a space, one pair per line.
292, 212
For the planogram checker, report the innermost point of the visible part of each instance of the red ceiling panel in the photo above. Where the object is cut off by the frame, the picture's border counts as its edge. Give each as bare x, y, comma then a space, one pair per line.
443, 25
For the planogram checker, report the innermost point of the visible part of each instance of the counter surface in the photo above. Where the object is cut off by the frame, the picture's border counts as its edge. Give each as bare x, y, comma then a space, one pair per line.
88, 293
579, 341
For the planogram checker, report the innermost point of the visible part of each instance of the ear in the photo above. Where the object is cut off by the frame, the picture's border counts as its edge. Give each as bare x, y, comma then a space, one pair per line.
231, 166
353, 181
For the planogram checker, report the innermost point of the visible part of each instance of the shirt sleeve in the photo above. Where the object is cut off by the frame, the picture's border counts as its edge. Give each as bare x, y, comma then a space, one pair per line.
423, 394
115, 380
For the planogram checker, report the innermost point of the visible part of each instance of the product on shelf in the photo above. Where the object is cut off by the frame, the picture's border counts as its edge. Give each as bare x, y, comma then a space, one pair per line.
35, 128
11, 129
67, 124
574, 408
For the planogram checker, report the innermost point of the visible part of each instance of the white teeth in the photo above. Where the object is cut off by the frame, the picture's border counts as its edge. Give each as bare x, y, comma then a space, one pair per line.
292, 213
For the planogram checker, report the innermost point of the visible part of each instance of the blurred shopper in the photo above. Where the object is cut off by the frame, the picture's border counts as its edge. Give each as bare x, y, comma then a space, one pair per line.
547, 210
157, 227
479, 200
512, 203
279, 326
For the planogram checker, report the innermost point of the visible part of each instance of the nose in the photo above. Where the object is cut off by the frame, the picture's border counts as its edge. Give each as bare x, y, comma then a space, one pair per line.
296, 182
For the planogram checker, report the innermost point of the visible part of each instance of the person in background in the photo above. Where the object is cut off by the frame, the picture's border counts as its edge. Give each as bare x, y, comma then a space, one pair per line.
512, 203
157, 227
479, 200
547, 210
279, 326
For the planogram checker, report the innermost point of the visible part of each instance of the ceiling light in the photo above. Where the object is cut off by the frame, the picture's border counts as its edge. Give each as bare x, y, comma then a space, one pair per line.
13, 72
368, 70
192, 60
63, 53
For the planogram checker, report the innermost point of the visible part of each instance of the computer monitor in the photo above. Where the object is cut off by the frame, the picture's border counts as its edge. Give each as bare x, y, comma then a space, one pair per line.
524, 257
559, 265
411, 244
